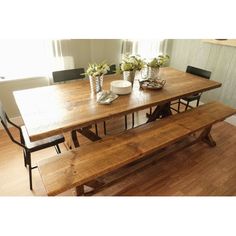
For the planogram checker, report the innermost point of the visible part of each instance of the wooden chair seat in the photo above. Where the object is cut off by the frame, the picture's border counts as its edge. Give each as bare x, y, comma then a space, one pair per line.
41, 144
79, 166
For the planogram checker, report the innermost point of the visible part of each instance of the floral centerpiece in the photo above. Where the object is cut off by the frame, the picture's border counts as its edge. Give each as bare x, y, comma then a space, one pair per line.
129, 65
95, 72
155, 64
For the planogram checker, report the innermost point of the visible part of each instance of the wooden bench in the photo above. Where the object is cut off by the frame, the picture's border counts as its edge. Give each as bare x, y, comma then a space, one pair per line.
79, 166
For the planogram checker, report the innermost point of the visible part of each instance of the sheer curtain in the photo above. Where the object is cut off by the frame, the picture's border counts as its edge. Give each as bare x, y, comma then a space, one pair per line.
146, 48
25, 58
61, 60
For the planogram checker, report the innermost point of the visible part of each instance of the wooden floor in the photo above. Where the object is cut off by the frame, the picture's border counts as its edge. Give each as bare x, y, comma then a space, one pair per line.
196, 171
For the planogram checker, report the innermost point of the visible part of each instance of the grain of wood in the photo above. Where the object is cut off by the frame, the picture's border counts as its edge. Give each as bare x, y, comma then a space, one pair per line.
81, 165
57, 109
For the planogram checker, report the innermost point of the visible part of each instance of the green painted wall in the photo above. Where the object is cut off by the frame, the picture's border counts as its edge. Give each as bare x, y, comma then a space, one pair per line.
220, 60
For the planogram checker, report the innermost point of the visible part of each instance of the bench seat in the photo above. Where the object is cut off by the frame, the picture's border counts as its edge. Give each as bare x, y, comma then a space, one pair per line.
79, 166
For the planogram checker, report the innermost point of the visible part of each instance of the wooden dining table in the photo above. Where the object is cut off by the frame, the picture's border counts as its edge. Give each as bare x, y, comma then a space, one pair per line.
61, 108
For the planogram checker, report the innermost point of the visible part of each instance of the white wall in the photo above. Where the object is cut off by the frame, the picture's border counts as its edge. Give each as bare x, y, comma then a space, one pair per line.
85, 51
7, 88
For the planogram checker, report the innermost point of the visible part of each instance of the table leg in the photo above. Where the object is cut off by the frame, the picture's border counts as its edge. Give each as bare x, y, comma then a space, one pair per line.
86, 132
74, 138
71, 140
79, 190
160, 111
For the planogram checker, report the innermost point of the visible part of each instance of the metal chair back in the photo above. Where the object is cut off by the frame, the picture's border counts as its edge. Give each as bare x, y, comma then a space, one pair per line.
112, 70
66, 75
197, 71
3, 115
4, 121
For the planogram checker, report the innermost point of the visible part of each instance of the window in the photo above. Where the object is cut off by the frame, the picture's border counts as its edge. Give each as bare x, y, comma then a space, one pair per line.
25, 58
147, 48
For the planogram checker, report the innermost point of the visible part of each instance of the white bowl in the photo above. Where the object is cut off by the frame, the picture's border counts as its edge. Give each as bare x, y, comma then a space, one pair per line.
121, 87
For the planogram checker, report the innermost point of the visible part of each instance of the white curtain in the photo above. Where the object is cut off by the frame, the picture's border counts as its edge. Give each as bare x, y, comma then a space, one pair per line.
25, 58
61, 61
146, 48
58, 55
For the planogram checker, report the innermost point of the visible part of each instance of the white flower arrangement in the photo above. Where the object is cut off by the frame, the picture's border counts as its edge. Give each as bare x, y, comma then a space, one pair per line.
159, 61
95, 69
132, 63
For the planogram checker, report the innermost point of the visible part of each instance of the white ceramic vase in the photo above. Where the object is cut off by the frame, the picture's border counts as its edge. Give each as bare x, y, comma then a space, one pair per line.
96, 83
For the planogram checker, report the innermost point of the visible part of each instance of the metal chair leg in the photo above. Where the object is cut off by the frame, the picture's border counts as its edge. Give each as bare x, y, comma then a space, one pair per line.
25, 160
24, 151
57, 148
96, 129
198, 102
179, 106
186, 108
126, 126
104, 128
150, 110
132, 120
30, 170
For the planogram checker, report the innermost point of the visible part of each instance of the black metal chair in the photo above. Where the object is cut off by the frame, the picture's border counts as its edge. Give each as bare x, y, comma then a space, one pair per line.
26, 144
112, 70
66, 75
195, 97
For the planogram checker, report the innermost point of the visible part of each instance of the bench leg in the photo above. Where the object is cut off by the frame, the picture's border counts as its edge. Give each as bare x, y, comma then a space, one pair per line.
79, 190
207, 138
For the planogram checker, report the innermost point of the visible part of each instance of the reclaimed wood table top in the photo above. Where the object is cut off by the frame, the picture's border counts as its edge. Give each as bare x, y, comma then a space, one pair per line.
60, 108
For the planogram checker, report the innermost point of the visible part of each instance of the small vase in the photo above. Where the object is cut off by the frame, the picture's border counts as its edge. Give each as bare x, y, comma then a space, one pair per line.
129, 76
96, 83
153, 72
